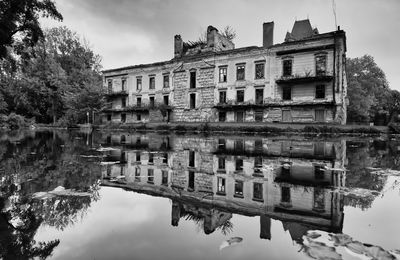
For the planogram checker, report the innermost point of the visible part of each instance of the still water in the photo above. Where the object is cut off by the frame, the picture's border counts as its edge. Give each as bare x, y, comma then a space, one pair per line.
71, 195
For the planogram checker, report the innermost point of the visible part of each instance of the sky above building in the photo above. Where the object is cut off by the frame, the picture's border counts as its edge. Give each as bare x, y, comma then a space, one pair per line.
130, 32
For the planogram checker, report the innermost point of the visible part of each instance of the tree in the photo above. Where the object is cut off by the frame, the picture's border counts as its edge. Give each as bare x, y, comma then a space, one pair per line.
21, 17
368, 91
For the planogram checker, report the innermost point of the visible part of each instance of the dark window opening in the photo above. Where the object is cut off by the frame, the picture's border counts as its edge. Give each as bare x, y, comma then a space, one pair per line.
319, 199
137, 174
166, 100
320, 91
239, 116
319, 172
164, 178
152, 102
108, 170
139, 101
192, 100
123, 139
221, 185
257, 191
260, 68
240, 72
123, 102
222, 97
287, 93
239, 165
166, 81
238, 188
258, 145
165, 158
152, 83
258, 115
109, 117
320, 65
137, 157
240, 96
123, 118
110, 83
151, 158
150, 176
319, 148
192, 156
221, 143
287, 67
108, 140
191, 180
222, 116
123, 84
285, 170
259, 96
222, 74
139, 83
221, 163
239, 145
138, 117
285, 194
193, 79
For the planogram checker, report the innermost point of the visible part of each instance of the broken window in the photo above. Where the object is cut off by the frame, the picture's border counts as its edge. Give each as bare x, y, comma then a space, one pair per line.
138, 157
259, 96
164, 177
166, 100
221, 163
152, 82
192, 156
151, 158
239, 165
150, 176
193, 79
165, 158
257, 191
260, 68
191, 180
123, 118
193, 100
123, 102
222, 97
238, 188
110, 83
139, 101
320, 65
258, 164
138, 83
319, 172
240, 95
240, 72
152, 103
221, 143
166, 81
287, 67
258, 115
239, 116
123, 84
222, 116
319, 199
221, 185
223, 74
320, 91
287, 93
285, 194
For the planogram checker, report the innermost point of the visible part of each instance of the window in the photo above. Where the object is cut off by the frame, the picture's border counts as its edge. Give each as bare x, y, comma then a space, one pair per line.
109, 117
222, 116
138, 117
150, 176
139, 101
319, 172
137, 174
166, 81
257, 191
221, 163
221, 185
285, 194
192, 158
223, 74
138, 157
138, 83
238, 188
151, 101
123, 118
152, 82
287, 67
221, 143
123, 139
222, 97
320, 91
123, 102
165, 158
258, 115
193, 100
193, 79
258, 163
109, 86
239, 165
151, 158
260, 68
239, 116
320, 65
240, 95
164, 177
123, 84
319, 199
259, 96
108, 141
191, 180
287, 93
239, 145
240, 72
258, 145
166, 100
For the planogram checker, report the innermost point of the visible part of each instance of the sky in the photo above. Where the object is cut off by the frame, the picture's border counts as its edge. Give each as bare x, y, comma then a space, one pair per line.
130, 32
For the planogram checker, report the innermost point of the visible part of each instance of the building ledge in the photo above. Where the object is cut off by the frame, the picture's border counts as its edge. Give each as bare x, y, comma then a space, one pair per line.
139, 108
272, 103
121, 93
290, 80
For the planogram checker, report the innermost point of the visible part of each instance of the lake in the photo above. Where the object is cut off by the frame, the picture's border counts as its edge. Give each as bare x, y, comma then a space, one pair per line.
120, 195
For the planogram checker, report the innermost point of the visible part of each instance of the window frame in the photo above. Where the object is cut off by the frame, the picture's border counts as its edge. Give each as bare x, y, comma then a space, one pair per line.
222, 95
318, 65
256, 76
240, 75
139, 83
166, 81
318, 91
283, 93
192, 79
285, 67
152, 82
237, 95
223, 74
192, 100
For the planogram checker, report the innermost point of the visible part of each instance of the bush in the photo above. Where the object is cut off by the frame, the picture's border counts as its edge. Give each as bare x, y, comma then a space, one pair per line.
14, 121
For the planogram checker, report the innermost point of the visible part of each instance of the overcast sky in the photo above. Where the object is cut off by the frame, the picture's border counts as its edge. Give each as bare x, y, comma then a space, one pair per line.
129, 32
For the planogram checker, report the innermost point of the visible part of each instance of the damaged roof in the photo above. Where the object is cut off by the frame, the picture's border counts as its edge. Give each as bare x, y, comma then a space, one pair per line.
301, 29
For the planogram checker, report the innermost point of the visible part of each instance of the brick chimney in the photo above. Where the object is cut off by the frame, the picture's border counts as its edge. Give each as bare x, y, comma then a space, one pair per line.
268, 34
211, 36
178, 46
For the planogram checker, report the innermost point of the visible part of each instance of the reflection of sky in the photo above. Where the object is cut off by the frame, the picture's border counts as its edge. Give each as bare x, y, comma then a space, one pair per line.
127, 225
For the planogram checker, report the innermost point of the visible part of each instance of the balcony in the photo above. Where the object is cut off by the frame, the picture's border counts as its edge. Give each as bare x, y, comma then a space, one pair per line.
301, 79
112, 94
233, 104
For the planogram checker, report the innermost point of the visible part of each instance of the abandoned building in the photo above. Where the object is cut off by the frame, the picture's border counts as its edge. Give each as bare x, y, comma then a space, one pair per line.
300, 80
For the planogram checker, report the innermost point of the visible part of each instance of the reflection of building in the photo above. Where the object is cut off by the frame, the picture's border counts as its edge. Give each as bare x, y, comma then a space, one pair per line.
209, 178
299, 80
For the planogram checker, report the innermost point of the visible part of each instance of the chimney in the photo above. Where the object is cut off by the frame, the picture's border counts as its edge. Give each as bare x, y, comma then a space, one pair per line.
178, 46
268, 34
211, 36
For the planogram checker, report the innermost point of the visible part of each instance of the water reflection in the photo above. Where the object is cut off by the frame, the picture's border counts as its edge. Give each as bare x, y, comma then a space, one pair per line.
52, 179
